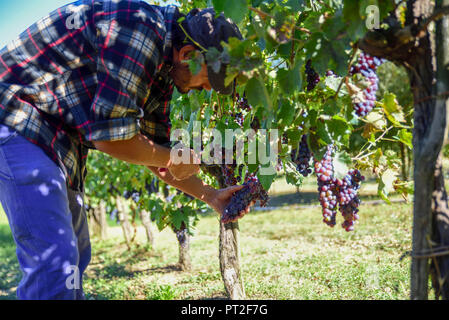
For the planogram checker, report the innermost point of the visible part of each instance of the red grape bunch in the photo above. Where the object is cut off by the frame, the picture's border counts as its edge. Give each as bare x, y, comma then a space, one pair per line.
313, 78
241, 106
242, 199
301, 157
367, 66
324, 171
348, 199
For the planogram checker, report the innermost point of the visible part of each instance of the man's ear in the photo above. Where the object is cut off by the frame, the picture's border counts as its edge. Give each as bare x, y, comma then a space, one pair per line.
185, 53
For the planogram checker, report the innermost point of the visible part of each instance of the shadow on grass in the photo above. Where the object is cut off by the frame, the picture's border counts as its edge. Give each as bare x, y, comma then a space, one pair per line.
10, 274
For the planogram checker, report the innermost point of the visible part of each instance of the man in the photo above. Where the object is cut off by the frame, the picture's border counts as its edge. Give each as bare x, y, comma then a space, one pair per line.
92, 75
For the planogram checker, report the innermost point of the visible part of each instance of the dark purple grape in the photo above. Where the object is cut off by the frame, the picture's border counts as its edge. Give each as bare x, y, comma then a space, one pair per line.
126, 194
241, 200
242, 107
135, 196
228, 171
313, 78
301, 157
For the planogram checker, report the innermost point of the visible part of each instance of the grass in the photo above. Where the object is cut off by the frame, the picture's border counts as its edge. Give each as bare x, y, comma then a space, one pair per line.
9, 267
285, 254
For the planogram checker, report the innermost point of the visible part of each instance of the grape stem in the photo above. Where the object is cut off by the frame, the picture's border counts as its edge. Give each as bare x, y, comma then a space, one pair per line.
354, 52
371, 144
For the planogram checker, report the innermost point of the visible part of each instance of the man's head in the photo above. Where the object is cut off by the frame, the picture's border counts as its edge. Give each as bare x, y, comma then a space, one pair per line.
199, 32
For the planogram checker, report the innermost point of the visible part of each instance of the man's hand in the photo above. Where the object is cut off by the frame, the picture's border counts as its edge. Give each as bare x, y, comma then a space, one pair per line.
223, 197
183, 171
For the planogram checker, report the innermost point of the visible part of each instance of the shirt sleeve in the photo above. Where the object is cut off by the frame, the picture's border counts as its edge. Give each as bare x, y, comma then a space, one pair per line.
157, 126
127, 61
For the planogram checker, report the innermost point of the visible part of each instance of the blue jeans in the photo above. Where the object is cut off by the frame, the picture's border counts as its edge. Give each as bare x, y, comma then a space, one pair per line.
47, 220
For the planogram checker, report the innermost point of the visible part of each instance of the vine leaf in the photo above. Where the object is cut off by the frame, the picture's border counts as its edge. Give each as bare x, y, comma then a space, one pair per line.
341, 162
292, 174
406, 138
266, 180
235, 9
386, 182
256, 93
392, 109
290, 80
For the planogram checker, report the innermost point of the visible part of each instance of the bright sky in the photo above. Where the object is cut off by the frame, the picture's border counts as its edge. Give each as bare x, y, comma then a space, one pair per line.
17, 15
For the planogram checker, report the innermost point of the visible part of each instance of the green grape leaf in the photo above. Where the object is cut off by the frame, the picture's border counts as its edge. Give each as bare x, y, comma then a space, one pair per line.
219, 5
392, 109
236, 10
290, 80
386, 182
406, 137
257, 93
266, 180
292, 175
177, 218
294, 5
286, 114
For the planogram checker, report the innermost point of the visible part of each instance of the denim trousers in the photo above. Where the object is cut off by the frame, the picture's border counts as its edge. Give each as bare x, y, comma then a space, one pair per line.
47, 220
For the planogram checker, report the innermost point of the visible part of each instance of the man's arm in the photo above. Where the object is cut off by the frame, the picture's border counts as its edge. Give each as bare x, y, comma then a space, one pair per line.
142, 151
217, 199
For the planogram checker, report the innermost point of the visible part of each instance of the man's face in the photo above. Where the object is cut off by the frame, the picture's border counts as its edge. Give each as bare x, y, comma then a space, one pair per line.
183, 78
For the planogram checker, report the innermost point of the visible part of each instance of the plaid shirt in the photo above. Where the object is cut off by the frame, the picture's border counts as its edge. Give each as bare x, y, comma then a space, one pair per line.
89, 71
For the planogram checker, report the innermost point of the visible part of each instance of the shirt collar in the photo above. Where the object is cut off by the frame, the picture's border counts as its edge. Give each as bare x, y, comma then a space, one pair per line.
171, 15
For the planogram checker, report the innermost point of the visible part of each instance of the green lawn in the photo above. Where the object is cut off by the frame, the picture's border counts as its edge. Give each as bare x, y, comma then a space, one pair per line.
286, 254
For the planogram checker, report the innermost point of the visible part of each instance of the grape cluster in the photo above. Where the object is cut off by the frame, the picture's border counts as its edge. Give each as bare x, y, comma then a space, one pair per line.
240, 201
228, 174
367, 66
241, 106
312, 77
324, 171
301, 157
134, 195
348, 199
